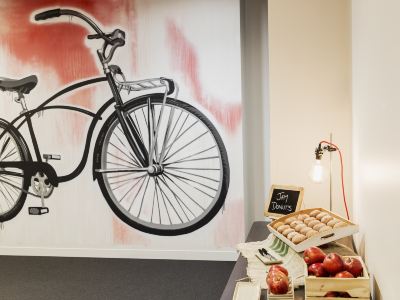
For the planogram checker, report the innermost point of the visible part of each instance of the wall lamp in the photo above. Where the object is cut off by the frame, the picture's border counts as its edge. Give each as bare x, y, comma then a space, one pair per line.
318, 173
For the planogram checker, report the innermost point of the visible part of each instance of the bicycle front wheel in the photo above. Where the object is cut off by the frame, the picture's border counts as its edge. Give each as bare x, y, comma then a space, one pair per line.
189, 179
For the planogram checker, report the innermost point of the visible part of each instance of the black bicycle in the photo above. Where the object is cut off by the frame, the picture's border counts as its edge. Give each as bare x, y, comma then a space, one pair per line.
160, 163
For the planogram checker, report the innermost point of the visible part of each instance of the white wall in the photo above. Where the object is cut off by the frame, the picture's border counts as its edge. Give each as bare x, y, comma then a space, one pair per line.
310, 93
376, 128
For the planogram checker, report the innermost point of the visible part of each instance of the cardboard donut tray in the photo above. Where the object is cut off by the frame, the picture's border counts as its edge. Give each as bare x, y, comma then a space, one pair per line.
320, 238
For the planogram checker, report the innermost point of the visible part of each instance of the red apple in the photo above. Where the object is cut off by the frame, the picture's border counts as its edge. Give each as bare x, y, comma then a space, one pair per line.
332, 294
313, 255
317, 270
344, 295
278, 282
353, 265
333, 263
279, 268
272, 274
344, 274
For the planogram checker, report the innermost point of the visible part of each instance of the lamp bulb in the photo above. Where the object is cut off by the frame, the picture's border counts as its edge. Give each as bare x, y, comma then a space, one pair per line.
318, 172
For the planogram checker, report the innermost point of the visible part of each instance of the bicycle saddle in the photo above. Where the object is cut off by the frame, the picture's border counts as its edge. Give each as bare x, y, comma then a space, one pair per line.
24, 85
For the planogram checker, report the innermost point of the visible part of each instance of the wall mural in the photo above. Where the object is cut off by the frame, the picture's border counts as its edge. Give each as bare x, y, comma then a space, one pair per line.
159, 162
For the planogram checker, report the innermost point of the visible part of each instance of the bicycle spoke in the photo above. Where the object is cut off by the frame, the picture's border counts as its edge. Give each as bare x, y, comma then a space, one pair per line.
4, 146
192, 155
158, 201
189, 160
134, 197
144, 194
10, 153
194, 181
183, 147
171, 115
119, 170
130, 153
212, 197
173, 207
118, 177
9, 203
165, 205
179, 200
178, 137
144, 116
126, 155
179, 131
123, 197
124, 182
152, 205
124, 160
117, 164
194, 201
196, 175
138, 126
188, 168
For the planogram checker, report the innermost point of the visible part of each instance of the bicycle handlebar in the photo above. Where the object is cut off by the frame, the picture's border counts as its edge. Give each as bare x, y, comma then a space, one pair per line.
115, 38
53, 13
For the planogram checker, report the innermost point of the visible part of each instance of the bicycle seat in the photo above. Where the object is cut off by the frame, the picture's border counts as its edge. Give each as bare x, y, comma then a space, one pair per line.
24, 85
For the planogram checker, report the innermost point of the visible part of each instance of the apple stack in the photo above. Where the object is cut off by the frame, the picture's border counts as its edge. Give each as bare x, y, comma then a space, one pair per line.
279, 284
335, 277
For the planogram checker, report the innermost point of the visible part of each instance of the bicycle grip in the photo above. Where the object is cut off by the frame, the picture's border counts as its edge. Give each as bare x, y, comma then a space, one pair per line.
171, 85
52, 13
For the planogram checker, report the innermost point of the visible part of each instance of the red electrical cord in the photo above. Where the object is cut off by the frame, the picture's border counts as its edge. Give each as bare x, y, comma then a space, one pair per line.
341, 173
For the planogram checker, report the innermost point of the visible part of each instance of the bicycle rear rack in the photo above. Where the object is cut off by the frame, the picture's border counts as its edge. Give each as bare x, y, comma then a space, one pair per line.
145, 84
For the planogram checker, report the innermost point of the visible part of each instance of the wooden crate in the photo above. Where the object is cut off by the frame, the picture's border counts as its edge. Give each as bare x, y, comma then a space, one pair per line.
358, 288
318, 239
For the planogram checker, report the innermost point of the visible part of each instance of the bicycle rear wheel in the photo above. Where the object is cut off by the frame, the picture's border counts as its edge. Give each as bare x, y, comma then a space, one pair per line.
12, 182
192, 180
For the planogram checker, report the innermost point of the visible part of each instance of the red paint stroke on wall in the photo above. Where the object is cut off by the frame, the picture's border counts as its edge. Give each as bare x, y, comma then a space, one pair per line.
61, 47
230, 224
185, 58
124, 235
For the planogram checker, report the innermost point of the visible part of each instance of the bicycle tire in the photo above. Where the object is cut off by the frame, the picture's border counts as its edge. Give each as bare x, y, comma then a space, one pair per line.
5, 184
224, 163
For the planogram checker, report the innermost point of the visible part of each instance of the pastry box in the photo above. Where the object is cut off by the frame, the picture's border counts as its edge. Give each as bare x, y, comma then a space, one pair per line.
311, 227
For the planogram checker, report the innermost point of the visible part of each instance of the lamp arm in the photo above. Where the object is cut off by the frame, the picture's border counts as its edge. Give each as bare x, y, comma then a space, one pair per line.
330, 146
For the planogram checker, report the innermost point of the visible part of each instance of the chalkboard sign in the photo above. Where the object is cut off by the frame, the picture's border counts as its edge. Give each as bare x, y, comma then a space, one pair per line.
283, 200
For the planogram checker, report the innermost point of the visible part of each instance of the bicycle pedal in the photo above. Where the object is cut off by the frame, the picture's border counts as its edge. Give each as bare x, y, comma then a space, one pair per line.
38, 210
51, 157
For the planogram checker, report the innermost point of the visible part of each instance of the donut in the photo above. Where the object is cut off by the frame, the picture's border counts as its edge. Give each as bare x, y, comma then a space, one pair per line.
289, 220
299, 227
302, 217
326, 219
321, 215
291, 235
318, 226
295, 223
311, 233
325, 228
287, 231
277, 224
281, 228
333, 222
314, 213
308, 220
313, 223
304, 230
298, 238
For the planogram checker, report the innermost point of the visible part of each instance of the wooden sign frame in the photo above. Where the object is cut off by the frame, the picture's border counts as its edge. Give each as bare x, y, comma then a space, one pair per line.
283, 187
